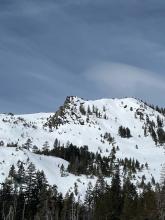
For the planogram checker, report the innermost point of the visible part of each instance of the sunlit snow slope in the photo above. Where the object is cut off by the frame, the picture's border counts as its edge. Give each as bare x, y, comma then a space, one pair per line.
81, 129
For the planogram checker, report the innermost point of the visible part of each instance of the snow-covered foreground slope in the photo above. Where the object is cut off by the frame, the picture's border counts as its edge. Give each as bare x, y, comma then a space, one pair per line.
50, 166
71, 124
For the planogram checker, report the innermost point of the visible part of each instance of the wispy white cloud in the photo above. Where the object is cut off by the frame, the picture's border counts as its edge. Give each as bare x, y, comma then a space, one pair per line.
123, 75
125, 80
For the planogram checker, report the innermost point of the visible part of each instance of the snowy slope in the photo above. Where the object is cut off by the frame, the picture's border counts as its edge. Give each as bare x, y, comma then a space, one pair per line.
81, 130
50, 166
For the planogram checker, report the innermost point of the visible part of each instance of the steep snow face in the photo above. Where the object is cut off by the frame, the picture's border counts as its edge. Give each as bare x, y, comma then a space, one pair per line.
82, 123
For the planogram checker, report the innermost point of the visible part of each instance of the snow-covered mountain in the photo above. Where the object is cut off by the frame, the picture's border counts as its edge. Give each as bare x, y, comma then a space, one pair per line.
82, 122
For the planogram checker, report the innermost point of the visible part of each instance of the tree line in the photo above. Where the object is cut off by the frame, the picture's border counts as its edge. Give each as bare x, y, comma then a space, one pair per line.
83, 162
26, 195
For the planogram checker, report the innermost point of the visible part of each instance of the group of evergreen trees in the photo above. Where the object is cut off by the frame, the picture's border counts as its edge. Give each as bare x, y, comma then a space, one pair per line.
22, 191
121, 201
94, 111
124, 132
26, 195
81, 161
155, 130
157, 108
107, 136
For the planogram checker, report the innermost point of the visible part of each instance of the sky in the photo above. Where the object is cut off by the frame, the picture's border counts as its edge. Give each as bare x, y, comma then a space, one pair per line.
88, 48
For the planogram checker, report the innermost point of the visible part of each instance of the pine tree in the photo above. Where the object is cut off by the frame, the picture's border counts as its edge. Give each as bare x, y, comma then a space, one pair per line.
89, 198
28, 144
89, 110
41, 181
116, 195
30, 181
12, 172
128, 133
6, 197
20, 177
43, 208
129, 200
82, 109
45, 146
99, 195
161, 135
56, 143
159, 122
154, 136
75, 189
149, 202
62, 170
145, 131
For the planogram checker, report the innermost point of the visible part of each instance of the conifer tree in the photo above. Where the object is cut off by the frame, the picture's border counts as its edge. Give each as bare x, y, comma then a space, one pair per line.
129, 198
159, 122
46, 146
56, 143
82, 109
89, 110
28, 144
20, 177
116, 194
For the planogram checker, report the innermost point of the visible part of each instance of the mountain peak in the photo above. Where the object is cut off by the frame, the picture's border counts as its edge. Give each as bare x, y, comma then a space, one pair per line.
127, 125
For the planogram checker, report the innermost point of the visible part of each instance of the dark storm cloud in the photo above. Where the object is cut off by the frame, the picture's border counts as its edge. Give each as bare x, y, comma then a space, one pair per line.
51, 49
